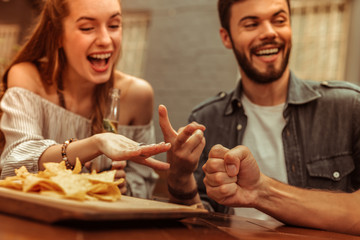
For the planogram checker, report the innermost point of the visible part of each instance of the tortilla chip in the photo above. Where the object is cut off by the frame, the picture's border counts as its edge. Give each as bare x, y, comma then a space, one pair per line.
57, 181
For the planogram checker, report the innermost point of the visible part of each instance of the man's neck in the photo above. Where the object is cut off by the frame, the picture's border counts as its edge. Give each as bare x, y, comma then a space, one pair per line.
270, 94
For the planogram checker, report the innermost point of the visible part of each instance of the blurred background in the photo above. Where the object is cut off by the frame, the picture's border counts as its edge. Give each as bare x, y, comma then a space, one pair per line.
175, 45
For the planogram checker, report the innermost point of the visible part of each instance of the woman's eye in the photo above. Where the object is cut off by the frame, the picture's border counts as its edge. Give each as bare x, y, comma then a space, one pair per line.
114, 26
86, 29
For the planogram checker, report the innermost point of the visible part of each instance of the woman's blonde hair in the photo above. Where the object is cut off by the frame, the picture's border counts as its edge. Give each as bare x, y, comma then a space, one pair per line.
43, 48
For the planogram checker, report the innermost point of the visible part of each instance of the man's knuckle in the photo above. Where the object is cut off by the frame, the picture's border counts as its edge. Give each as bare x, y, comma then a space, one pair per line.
223, 190
218, 178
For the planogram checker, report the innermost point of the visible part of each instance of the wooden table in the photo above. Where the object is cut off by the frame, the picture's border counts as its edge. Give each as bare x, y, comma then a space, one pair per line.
211, 226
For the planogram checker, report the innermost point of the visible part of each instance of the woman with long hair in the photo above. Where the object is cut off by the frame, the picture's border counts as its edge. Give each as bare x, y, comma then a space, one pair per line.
55, 91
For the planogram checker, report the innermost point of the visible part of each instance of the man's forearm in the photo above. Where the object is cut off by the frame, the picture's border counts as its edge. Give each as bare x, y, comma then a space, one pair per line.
183, 190
330, 211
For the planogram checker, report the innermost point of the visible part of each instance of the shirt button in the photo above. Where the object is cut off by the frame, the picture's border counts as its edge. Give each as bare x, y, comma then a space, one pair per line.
239, 104
336, 175
239, 127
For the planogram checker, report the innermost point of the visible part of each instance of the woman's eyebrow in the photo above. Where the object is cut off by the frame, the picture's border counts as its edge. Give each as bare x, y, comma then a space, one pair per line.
92, 19
116, 14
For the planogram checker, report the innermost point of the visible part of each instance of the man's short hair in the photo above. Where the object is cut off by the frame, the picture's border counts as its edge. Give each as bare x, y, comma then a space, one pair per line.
224, 11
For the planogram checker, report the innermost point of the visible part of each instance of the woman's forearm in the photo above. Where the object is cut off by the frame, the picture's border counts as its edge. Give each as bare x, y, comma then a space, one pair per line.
85, 149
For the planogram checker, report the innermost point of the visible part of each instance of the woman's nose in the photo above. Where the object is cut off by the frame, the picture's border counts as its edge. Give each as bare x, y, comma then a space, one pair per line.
103, 37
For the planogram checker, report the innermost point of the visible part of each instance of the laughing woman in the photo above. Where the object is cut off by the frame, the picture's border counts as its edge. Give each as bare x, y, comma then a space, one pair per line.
55, 89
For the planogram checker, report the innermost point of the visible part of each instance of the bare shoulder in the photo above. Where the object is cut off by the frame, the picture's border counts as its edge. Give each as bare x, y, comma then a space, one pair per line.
137, 98
133, 87
25, 75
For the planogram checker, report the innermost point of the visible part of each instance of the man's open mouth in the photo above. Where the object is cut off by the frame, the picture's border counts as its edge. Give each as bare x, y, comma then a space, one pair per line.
267, 52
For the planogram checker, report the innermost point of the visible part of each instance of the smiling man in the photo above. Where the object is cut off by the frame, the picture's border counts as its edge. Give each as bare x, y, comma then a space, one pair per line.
301, 133
260, 39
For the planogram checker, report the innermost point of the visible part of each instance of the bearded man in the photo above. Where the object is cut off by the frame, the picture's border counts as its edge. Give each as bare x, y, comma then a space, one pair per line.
301, 133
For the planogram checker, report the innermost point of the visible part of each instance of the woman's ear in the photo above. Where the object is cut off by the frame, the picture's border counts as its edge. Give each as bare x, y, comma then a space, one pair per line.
225, 37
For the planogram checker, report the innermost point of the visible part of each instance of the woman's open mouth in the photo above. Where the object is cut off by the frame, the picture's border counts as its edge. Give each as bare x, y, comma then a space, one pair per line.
99, 61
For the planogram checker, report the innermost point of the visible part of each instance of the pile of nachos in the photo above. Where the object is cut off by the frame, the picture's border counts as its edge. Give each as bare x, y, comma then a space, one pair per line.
57, 181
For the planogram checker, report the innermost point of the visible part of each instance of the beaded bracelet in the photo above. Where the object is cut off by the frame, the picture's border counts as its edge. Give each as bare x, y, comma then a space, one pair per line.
182, 196
63, 153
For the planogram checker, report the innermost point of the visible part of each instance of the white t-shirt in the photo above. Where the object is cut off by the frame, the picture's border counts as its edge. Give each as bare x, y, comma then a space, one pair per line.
263, 136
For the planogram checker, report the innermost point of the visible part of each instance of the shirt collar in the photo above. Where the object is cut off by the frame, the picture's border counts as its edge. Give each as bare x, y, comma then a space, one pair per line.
235, 99
299, 92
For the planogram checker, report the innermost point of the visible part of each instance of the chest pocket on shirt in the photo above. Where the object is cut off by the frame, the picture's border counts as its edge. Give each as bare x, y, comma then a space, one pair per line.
332, 173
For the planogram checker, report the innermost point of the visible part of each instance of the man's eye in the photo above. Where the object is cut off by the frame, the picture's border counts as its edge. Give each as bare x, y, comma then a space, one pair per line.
251, 25
280, 21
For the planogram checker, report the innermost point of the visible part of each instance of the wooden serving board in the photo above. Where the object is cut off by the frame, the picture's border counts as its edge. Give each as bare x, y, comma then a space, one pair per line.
50, 209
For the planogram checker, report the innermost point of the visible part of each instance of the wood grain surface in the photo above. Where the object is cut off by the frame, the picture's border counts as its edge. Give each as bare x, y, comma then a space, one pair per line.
49, 209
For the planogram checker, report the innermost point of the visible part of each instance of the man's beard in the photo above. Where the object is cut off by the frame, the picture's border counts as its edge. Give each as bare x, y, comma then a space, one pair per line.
270, 75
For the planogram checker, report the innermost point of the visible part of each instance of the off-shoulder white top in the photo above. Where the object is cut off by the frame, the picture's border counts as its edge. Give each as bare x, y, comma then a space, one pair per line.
31, 124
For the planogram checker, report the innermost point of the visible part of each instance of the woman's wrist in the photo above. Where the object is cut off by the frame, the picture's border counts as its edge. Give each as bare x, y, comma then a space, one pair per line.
96, 143
69, 164
85, 149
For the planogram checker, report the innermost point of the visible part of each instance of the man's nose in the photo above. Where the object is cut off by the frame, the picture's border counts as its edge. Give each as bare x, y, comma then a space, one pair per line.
268, 31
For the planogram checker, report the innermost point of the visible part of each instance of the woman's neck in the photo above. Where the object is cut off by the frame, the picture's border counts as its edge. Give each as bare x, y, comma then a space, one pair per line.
78, 96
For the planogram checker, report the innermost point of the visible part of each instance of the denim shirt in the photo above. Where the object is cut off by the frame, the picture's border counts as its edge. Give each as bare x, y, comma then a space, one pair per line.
321, 137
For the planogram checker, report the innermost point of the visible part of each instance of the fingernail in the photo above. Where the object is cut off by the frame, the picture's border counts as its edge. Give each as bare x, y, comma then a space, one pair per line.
231, 170
199, 132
